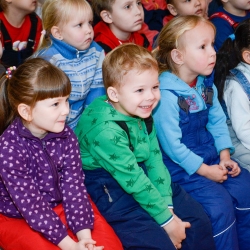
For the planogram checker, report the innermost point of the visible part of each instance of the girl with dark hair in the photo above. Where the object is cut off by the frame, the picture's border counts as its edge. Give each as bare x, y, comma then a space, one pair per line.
40, 175
232, 76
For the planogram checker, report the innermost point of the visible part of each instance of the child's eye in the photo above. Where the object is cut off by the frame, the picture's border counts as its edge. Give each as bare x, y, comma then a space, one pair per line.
203, 46
79, 25
127, 7
55, 104
91, 23
139, 3
156, 87
139, 90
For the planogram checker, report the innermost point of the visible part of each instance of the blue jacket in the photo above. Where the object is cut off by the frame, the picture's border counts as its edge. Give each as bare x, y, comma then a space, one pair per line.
166, 116
37, 175
84, 69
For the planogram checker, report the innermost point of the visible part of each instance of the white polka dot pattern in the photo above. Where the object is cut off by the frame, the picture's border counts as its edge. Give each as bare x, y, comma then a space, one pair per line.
36, 175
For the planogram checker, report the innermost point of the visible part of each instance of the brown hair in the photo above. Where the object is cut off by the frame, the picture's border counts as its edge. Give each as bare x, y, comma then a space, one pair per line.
123, 59
169, 37
34, 80
100, 5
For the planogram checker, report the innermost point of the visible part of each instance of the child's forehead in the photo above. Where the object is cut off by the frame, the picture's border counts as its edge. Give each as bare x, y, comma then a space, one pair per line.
199, 32
81, 13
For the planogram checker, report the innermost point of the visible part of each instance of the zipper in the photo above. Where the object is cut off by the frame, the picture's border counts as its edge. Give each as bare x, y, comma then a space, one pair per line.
107, 192
139, 124
53, 170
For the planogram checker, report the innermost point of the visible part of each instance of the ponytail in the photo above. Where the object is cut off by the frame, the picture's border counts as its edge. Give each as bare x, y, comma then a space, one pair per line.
230, 54
6, 113
226, 59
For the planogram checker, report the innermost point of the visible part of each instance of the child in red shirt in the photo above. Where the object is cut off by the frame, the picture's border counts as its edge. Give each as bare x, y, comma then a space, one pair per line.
21, 30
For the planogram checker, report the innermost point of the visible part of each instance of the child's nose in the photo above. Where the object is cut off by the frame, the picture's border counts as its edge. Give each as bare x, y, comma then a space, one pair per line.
198, 2
65, 109
150, 95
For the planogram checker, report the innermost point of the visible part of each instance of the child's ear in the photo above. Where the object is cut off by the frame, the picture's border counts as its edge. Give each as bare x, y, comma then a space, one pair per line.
56, 33
25, 112
172, 9
106, 16
177, 56
246, 56
112, 94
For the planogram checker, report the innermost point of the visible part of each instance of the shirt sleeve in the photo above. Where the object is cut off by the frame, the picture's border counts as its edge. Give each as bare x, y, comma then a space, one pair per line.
19, 180
238, 108
76, 204
97, 87
169, 133
125, 170
217, 125
157, 171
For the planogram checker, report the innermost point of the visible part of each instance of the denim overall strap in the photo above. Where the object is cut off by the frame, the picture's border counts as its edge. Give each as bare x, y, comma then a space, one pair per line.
242, 80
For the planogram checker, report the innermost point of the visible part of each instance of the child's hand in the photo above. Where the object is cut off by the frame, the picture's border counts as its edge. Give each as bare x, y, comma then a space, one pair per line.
232, 166
215, 173
93, 247
176, 231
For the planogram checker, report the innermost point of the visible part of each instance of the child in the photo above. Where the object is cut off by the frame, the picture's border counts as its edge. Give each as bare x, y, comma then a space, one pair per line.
232, 76
184, 8
191, 128
227, 17
121, 21
21, 30
125, 174
69, 45
40, 162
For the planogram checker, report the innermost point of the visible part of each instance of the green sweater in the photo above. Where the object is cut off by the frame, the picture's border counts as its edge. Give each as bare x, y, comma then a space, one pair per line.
104, 144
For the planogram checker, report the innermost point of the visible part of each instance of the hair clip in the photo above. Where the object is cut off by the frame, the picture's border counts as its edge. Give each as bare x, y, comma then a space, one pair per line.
9, 70
43, 32
232, 37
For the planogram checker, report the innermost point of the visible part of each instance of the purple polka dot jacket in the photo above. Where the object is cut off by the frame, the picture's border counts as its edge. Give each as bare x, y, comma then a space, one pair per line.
37, 175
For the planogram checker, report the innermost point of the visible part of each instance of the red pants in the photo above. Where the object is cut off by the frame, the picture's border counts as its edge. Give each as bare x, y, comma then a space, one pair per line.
15, 234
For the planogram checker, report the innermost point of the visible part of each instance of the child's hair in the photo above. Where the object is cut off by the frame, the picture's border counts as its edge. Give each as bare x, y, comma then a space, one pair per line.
123, 59
59, 12
3, 5
100, 5
34, 80
169, 37
230, 54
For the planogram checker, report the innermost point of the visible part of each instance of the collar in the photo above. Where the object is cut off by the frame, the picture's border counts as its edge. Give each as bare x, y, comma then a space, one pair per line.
66, 50
24, 132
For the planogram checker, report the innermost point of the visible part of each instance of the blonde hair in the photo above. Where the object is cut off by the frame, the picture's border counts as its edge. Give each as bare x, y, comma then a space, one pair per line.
123, 59
169, 37
55, 12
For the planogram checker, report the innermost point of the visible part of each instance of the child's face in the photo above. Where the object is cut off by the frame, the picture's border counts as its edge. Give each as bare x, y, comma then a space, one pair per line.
138, 93
48, 115
24, 5
237, 5
126, 17
188, 7
198, 54
78, 32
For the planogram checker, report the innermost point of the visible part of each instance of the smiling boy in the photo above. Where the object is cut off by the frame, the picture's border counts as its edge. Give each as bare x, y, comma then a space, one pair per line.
124, 171
121, 21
